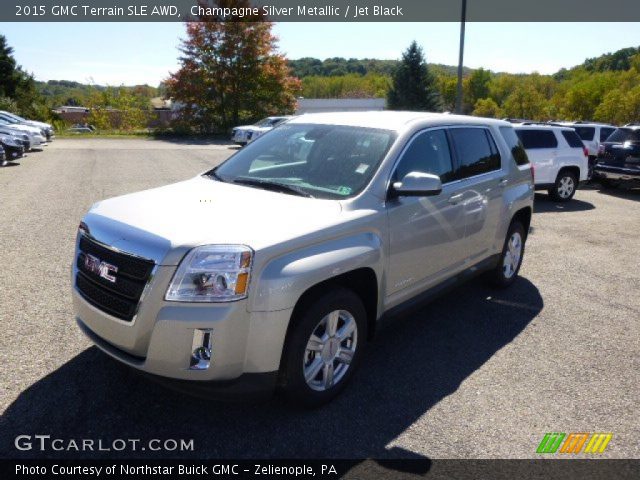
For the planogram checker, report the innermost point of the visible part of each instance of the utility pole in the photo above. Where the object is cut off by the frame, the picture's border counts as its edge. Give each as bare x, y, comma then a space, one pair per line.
463, 19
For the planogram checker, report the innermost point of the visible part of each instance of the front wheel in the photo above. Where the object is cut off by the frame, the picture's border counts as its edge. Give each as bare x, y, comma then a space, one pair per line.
510, 261
565, 187
324, 348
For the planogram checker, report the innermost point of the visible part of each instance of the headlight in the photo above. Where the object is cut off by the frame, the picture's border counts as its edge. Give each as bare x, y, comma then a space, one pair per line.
212, 273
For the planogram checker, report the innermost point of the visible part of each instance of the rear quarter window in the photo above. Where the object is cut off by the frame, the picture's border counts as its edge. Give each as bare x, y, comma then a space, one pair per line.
585, 133
572, 139
515, 145
533, 139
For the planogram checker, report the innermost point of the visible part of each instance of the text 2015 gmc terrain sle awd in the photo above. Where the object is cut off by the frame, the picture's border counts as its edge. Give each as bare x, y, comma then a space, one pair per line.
273, 269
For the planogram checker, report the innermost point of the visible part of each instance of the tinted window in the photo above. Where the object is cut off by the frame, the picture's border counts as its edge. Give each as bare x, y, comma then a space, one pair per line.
475, 150
605, 132
572, 139
585, 133
622, 135
532, 139
428, 153
515, 145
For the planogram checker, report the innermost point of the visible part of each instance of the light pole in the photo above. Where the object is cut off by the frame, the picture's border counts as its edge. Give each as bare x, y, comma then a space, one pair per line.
461, 57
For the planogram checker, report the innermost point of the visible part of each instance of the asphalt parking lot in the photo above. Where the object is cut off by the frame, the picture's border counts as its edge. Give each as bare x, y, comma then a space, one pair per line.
476, 374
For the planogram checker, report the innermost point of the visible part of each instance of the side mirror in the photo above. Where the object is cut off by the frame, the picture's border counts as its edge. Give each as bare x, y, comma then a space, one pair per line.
418, 184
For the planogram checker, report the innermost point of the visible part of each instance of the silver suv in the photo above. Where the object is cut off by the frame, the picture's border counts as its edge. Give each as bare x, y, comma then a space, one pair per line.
275, 268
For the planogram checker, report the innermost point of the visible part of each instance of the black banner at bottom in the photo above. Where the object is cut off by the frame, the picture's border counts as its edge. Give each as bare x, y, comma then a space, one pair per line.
320, 469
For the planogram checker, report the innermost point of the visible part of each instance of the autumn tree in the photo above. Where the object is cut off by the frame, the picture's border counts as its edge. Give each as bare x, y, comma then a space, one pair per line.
413, 87
231, 71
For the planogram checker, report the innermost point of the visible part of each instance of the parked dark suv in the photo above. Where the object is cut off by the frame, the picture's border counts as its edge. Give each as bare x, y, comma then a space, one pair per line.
619, 158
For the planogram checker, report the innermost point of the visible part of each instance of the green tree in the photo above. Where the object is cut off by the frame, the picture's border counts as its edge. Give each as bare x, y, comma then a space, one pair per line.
487, 107
231, 70
18, 86
476, 87
526, 102
413, 86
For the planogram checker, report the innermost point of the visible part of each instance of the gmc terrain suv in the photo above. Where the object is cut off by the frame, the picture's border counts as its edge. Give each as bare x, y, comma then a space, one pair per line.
619, 158
274, 268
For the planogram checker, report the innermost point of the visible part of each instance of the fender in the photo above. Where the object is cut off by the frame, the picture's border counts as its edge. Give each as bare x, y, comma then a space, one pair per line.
284, 279
571, 161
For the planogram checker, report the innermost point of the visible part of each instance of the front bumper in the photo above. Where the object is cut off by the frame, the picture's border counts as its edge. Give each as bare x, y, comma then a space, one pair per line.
617, 173
159, 341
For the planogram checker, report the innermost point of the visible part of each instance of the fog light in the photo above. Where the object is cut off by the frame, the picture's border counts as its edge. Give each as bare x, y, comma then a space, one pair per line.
200, 349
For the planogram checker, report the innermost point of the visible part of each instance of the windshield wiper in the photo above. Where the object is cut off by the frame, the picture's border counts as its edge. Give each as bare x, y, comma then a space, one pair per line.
274, 186
213, 174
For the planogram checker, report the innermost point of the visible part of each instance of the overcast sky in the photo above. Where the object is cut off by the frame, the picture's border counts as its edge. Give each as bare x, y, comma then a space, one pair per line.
138, 53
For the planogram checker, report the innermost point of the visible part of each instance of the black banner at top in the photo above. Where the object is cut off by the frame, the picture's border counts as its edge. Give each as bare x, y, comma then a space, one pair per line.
319, 10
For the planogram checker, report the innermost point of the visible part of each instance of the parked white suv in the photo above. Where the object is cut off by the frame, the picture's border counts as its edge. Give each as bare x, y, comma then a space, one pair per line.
276, 267
558, 156
592, 135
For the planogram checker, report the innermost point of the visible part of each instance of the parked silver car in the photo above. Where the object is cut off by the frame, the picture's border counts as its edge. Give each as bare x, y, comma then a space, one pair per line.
275, 268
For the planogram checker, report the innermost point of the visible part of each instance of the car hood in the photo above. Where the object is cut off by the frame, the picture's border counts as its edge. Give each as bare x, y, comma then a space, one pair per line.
164, 223
34, 123
25, 128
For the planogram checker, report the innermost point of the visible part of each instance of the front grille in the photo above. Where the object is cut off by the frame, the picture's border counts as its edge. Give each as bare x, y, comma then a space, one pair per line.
119, 298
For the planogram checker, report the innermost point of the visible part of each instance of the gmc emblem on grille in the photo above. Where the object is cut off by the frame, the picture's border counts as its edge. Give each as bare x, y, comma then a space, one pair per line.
100, 268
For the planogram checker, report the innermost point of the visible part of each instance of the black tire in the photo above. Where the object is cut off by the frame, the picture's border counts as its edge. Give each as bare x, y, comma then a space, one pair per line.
305, 322
607, 184
498, 276
558, 192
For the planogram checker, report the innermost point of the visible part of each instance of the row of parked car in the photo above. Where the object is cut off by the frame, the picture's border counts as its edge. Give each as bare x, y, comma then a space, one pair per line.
563, 154
566, 154
19, 135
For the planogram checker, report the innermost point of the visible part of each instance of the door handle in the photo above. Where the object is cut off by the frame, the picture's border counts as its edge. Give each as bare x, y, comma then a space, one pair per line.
455, 199
503, 183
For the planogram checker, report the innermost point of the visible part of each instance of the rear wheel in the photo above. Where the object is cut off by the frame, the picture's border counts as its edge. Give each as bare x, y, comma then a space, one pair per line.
565, 187
324, 348
508, 267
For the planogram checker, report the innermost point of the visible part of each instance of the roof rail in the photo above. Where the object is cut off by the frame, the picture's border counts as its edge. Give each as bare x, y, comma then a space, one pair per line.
580, 122
542, 124
516, 120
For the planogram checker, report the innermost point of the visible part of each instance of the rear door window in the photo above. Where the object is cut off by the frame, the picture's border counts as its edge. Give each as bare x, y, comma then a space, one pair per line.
515, 145
533, 139
585, 133
572, 139
476, 151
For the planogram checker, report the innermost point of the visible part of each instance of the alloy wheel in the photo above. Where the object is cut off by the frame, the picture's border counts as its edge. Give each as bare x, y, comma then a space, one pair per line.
566, 187
330, 350
512, 256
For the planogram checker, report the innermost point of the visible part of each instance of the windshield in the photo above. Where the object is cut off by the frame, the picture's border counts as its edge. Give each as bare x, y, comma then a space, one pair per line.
323, 161
622, 135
